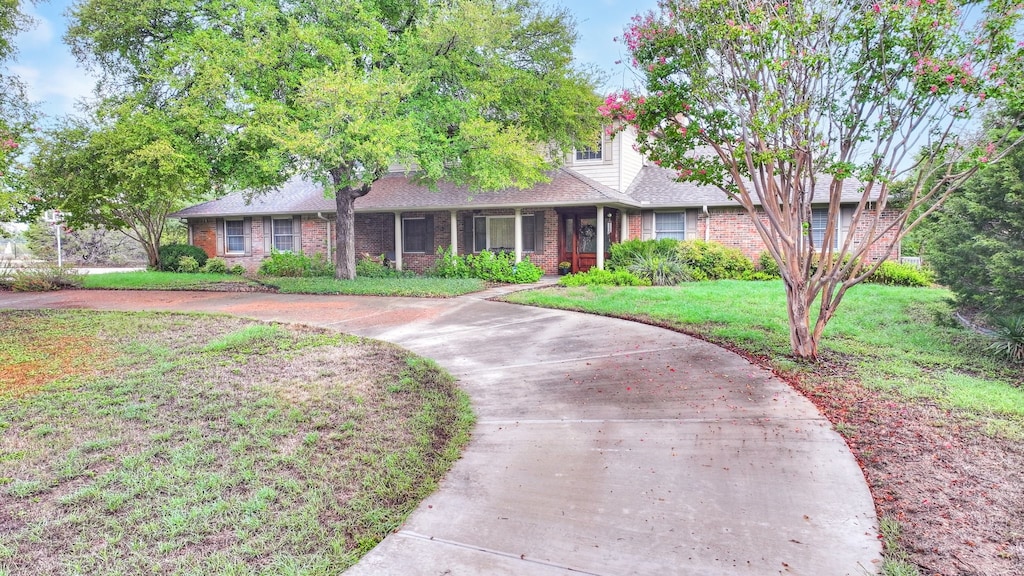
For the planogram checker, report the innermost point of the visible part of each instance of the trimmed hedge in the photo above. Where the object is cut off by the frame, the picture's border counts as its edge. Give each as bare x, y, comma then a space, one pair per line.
896, 274
714, 261
597, 276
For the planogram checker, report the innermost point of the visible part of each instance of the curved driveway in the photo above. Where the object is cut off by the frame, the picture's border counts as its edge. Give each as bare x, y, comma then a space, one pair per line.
602, 446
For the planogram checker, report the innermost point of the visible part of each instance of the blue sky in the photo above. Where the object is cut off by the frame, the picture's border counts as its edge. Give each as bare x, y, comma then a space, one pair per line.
56, 81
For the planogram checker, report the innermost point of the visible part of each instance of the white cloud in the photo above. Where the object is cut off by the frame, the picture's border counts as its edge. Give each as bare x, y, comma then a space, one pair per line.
55, 88
40, 34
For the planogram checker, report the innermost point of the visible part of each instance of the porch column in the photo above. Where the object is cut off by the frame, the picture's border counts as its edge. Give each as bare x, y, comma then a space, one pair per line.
600, 237
519, 235
398, 241
624, 225
455, 233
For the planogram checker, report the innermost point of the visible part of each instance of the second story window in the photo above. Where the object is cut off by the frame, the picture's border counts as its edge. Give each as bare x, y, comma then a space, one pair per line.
589, 153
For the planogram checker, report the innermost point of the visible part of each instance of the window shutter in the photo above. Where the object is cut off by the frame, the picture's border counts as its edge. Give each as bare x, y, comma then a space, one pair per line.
647, 218
428, 241
297, 234
538, 232
268, 234
845, 222
691, 224
467, 234
219, 227
479, 234
247, 230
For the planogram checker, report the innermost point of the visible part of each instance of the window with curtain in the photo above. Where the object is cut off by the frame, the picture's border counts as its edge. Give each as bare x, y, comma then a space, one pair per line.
499, 233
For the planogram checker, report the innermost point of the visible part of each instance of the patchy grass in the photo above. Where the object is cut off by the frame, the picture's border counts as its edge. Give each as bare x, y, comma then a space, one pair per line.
417, 286
934, 418
200, 445
153, 280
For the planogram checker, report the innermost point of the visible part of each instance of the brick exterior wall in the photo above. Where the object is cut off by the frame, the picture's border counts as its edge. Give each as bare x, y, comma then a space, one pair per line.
375, 235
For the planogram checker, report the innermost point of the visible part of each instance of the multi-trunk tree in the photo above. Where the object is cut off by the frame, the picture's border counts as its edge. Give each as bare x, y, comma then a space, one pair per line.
784, 105
478, 92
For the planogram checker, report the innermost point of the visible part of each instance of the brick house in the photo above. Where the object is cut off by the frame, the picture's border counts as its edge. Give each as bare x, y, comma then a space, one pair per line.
609, 188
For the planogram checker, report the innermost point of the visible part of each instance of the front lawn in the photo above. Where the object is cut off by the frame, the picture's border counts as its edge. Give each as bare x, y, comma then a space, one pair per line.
184, 444
417, 286
934, 418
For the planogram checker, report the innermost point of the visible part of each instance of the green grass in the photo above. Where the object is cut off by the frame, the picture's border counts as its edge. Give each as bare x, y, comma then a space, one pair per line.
150, 280
415, 286
900, 339
193, 444
418, 286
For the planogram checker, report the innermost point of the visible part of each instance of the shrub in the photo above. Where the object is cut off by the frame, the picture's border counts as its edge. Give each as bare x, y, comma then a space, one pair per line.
624, 253
44, 279
368, 267
597, 276
767, 266
169, 255
486, 265
187, 265
238, 270
216, 266
714, 261
896, 274
320, 267
659, 270
1008, 339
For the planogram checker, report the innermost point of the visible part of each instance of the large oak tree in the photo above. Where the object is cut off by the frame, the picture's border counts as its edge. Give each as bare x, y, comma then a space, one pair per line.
479, 92
783, 104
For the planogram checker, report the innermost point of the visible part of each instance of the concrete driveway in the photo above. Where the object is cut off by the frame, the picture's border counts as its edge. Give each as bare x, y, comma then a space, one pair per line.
602, 446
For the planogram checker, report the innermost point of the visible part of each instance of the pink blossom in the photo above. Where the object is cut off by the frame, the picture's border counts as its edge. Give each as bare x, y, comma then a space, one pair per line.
934, 88
950, 78
913, 3
990, 148
983, 159
877, 8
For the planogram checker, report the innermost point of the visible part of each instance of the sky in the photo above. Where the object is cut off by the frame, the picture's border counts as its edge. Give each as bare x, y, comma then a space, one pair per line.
56, 81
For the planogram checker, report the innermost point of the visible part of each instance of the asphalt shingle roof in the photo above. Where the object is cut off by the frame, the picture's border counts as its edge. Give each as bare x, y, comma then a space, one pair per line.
656, 187
397, 191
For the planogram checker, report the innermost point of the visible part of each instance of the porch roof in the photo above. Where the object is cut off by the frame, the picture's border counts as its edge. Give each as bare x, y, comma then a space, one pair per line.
657, 187
397, 191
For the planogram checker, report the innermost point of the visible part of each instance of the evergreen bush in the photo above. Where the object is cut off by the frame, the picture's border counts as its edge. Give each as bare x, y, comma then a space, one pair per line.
170, 254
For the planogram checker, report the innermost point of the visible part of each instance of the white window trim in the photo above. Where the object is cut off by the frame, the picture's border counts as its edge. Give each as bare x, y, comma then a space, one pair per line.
837, 238
654, 230
227, 237
274, 234
601, 157
405, 239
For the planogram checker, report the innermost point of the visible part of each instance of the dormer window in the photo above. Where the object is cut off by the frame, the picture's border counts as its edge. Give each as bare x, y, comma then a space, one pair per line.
589, 153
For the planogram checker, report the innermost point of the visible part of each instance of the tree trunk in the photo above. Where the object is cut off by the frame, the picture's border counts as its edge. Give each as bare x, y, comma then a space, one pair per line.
345, 245
802, 341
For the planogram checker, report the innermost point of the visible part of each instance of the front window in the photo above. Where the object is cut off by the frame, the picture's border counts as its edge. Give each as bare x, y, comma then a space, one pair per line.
234, 233
414, 235
498, 233
284, 238
819, 221
670, 225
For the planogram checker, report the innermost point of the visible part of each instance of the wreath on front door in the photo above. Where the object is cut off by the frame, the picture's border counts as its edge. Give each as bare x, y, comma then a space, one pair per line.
588, 231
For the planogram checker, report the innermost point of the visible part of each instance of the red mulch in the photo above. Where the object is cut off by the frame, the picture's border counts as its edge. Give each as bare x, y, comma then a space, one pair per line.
958, 494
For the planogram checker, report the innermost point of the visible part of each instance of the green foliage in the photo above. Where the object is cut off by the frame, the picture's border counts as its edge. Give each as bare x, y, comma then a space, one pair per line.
975, 242
599, 277
370, 268
238, 270
1008, 339
898, 274
624, 253
187, 265
171, 254
43, 279
767, 265
714, 261
486, 265
418, 286
295, 265
656, 261
215, 266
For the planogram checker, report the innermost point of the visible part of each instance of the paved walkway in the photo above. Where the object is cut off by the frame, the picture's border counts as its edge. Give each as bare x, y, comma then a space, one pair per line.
602, 446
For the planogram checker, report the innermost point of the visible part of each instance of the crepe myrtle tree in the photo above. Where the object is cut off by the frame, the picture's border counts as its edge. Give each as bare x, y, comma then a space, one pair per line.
17, 115
341, 90
782, 105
